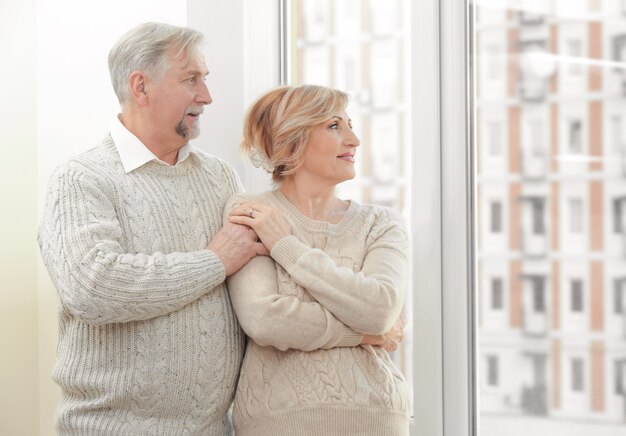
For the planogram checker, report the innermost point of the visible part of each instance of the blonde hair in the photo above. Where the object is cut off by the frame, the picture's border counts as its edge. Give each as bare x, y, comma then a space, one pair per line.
278, 124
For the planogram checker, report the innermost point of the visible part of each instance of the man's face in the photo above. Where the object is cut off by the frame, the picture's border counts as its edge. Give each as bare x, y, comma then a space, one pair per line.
177, 100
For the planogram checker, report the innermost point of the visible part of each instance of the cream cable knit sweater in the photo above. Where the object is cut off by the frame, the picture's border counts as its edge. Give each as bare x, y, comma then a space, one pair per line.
148, 343
303, 373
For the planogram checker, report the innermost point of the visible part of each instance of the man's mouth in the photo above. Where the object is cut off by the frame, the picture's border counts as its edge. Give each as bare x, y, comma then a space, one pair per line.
194, 113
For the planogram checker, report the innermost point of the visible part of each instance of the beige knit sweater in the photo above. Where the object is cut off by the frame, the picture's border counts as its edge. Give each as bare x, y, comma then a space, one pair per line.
305, 310
148, 343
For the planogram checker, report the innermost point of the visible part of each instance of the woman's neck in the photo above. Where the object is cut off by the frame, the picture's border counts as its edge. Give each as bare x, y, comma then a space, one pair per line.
319, 204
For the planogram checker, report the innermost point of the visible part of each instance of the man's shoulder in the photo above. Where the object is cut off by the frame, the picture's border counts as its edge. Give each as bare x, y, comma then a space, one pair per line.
210, 161
101, 158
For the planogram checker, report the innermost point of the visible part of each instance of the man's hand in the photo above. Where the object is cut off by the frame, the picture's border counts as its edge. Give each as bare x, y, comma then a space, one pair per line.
235, 245
390, 340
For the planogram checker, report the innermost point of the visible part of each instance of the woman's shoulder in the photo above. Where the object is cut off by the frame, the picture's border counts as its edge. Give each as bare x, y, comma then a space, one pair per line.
380, 214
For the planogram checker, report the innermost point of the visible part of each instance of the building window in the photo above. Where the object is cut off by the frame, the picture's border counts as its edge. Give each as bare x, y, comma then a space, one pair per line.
619, 288
494, 70
619, 209
576, 287
616, 134
577, 375
492, 370
575, 139
496, 293
538, 211
494, 138
575, 215
496, 216
536, 128
620, 376
538, 290
574, 50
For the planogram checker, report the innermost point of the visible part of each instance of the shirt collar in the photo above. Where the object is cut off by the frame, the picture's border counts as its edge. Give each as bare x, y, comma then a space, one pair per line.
133, 153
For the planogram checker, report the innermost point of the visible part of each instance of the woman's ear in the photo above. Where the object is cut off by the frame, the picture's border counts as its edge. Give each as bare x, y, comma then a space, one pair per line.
138, 86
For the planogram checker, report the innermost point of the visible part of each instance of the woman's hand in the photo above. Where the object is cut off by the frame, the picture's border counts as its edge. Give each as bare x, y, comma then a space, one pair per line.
268, 222
390, 340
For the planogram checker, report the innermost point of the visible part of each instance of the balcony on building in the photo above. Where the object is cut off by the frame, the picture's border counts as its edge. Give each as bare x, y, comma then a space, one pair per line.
534, 162
534, 232
534, 390
535, 320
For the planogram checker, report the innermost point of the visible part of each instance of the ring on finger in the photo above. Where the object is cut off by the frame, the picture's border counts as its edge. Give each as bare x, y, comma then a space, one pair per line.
251, 213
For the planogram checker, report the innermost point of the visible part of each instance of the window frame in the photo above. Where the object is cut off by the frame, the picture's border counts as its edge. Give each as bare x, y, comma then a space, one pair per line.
444, 213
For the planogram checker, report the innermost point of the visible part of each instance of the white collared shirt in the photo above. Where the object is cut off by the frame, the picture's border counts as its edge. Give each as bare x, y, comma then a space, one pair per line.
133, 152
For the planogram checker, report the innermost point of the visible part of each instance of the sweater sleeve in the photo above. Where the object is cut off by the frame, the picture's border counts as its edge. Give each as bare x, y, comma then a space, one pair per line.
80, 243
282, 321
369, 300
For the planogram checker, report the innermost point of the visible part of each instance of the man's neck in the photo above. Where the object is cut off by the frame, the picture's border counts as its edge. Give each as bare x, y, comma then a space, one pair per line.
167, 153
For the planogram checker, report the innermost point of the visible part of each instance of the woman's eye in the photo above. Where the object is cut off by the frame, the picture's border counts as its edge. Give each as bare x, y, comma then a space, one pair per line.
333, 126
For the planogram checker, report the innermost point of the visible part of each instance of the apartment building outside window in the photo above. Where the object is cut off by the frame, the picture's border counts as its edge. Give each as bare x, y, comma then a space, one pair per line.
563, 102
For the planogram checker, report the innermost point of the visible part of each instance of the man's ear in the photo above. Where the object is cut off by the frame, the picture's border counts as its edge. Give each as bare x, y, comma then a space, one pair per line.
138, 86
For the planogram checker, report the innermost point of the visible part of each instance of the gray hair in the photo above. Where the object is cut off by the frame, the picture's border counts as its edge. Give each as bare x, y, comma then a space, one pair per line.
146, 48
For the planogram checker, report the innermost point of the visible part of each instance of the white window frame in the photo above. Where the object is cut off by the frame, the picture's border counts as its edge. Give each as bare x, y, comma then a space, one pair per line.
443, 232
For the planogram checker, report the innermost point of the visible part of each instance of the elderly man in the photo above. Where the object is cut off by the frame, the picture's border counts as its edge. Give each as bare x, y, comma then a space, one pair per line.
132, 237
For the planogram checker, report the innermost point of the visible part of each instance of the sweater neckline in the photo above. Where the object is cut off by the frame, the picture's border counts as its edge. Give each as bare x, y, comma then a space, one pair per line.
312, 224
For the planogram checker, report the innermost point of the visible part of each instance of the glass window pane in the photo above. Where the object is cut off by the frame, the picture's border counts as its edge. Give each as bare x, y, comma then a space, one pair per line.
550, 167
363, 47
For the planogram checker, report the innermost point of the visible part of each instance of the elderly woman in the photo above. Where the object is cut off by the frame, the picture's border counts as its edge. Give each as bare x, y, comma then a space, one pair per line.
324, 309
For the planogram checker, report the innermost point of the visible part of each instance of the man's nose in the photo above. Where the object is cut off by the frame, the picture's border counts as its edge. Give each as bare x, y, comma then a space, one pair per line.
204, 96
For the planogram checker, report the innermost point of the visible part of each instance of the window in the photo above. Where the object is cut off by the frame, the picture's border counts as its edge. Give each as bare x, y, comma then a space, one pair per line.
496, 293
492, 370
538, 211
619, 206
576, 290
575, 143
496, 217
620, 376
494, 138
565, 294
616, 134
574, 50
537, 147
538, 293
494, 69
575, 215
619, 291
577, 381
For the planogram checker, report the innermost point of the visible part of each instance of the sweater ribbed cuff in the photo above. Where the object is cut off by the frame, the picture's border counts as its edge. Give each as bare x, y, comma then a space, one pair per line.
350, 339
215, 268
287, 251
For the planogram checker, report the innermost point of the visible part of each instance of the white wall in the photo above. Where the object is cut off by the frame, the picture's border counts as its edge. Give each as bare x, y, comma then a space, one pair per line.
242, 57
57, 101
18, 257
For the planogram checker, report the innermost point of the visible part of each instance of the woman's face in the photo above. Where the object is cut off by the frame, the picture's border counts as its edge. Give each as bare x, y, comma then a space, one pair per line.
330, 151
